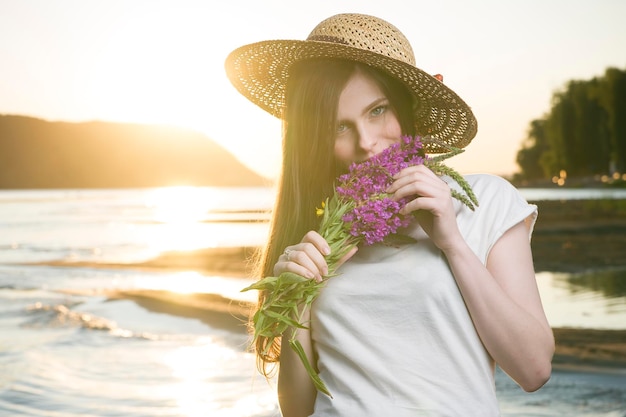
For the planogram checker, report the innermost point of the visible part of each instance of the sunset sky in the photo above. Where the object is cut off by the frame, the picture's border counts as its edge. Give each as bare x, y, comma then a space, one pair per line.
162, 62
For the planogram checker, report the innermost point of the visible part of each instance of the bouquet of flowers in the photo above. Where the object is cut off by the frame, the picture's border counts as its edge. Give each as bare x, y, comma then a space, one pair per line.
359, 212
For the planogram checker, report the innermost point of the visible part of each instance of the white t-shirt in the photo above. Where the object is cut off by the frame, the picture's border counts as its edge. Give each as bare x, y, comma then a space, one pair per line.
392, 333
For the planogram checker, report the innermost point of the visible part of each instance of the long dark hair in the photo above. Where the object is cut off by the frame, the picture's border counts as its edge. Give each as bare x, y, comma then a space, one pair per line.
309, 167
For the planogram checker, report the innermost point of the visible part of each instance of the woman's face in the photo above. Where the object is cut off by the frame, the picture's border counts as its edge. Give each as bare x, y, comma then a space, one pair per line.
366, 124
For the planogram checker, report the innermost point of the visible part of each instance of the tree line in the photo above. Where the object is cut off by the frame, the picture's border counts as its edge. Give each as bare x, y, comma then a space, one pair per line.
583, 134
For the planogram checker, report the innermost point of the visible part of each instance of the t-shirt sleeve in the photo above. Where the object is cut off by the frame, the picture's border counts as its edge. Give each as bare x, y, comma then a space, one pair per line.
501, 206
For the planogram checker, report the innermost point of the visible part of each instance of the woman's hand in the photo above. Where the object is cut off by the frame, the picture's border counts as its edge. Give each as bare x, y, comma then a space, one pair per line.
501, 296
431, 204
307, 258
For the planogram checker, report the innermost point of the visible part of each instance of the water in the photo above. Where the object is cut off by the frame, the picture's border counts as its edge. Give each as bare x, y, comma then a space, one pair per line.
68, 349
537, 194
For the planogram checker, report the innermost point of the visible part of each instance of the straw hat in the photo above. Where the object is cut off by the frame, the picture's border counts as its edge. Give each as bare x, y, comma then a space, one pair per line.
260, 70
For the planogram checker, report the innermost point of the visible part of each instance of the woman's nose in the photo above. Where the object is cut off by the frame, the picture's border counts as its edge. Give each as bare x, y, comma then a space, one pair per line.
367, 141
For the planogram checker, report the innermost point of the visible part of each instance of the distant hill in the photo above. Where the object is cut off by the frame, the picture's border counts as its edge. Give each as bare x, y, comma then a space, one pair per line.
35, 153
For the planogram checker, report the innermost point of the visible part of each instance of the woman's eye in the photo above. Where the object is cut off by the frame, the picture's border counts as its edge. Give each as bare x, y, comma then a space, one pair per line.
342, 127
377, 111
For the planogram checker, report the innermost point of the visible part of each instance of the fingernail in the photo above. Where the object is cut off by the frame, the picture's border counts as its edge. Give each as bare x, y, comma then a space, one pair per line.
326, 251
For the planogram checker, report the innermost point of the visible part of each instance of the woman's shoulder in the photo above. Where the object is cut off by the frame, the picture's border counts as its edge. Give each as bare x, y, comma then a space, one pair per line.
495, 193
500, 207
487, 186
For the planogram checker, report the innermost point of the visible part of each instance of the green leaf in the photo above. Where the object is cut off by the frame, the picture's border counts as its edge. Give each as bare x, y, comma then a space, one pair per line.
284, 319
262, 284
317, 381
290, 278
440, 169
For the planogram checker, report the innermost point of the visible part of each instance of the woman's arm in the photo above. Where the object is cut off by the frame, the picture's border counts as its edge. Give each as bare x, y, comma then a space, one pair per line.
505, 306
296, 392
501, 297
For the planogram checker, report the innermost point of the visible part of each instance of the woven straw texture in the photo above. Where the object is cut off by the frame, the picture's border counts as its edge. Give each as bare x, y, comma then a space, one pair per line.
260, 70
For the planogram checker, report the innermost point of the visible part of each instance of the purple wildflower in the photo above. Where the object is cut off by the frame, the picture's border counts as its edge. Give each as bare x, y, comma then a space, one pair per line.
375, 215
360, 211
373, 220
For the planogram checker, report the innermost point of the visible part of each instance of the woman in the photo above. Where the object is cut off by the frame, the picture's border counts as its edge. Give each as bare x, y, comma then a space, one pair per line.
412, 329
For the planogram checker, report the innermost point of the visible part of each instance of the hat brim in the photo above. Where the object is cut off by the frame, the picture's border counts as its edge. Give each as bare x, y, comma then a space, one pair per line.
260, 71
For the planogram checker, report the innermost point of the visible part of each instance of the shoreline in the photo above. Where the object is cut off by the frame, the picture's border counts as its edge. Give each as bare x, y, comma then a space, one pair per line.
233, 261
579, 235
211, 309
594, 349
570, 236
577, 349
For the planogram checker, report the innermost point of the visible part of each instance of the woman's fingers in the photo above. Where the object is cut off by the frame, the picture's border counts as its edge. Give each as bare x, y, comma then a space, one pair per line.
305, 258
412, 179
430, 200
425, 189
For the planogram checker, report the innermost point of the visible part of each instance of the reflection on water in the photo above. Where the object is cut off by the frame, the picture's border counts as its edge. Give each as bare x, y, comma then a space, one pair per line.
547, 194
68, 351
593, 299
181, 205
610, 282
192, 282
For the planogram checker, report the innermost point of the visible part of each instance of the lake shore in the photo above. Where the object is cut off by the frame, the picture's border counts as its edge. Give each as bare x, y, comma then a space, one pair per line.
572, 236
569, 236
578, 235
576, 349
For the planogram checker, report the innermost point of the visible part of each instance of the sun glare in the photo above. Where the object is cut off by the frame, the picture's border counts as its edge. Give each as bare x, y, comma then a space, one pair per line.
176, 77
160, 70
181, 205
201, 387
191, 282
189, 218
194, 366
180, 214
